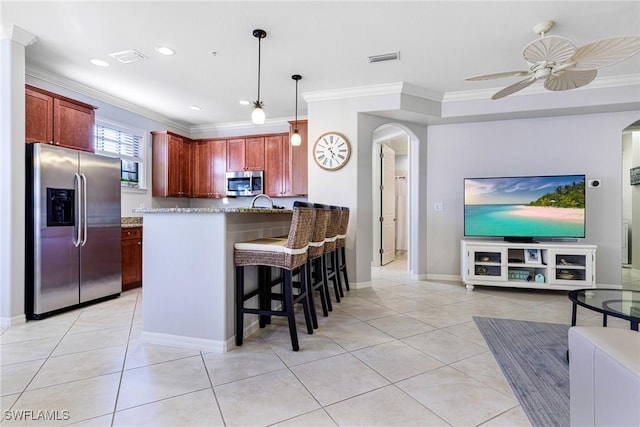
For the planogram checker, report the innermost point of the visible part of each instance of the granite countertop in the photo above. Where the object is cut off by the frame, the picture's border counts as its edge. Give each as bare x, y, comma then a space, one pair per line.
212, 210
131, 221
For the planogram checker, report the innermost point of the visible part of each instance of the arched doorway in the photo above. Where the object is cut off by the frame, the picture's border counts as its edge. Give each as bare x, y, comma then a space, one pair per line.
391, 181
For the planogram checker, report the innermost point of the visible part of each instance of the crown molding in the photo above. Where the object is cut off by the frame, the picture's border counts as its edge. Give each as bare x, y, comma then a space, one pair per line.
58, 80
246, 127
398, 88
599, 83
17, 34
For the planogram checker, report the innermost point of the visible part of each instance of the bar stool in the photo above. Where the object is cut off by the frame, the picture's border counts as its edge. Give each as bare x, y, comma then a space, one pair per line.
329, 258
317, 275
286, 254
340, 246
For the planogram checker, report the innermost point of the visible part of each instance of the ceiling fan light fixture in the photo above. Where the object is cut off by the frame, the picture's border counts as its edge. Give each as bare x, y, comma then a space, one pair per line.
258, 116
296, 139
561, 64
543, 28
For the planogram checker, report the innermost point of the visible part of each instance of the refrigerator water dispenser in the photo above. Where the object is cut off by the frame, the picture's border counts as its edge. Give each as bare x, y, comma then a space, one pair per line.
60, 207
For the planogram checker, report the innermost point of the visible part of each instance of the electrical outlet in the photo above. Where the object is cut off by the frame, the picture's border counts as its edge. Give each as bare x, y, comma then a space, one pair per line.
438, 207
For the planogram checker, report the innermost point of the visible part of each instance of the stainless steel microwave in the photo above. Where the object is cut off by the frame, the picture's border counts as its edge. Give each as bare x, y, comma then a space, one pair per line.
246, 183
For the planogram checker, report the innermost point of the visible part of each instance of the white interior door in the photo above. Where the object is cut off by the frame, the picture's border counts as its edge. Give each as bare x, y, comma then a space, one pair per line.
388, 202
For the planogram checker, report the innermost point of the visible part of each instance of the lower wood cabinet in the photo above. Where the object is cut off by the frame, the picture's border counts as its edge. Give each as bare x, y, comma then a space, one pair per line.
131, 258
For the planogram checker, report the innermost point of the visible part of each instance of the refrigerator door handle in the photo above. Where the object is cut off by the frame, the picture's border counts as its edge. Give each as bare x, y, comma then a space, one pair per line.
78, 238
84, 208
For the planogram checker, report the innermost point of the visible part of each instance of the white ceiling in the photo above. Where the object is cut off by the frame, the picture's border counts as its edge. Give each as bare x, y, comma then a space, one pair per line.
440, 43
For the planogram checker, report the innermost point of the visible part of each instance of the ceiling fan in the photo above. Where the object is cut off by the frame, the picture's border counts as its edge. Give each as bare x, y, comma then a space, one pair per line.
561, 64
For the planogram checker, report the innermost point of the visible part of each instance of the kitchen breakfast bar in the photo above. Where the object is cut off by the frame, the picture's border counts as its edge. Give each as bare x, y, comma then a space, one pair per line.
188, 270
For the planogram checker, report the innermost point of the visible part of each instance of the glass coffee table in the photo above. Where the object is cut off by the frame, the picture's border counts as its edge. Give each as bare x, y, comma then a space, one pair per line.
621, 303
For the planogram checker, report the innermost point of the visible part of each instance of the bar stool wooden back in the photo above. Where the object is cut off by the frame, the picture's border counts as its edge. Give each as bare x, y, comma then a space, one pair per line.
329, 257
285, 254
317, 275
341, 244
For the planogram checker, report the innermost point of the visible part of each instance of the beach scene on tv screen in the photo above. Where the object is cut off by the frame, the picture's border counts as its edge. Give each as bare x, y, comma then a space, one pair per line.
551, 206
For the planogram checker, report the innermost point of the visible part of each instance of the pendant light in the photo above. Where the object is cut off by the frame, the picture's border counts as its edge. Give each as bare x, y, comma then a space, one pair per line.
257, 116
296, 139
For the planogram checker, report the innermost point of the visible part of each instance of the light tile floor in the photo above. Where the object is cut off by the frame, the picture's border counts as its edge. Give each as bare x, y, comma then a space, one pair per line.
403, 352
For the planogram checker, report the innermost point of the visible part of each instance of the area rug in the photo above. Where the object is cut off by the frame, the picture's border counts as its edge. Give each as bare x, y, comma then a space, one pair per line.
532, 356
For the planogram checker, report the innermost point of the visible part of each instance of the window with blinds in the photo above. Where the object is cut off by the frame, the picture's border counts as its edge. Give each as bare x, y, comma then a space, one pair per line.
127, 144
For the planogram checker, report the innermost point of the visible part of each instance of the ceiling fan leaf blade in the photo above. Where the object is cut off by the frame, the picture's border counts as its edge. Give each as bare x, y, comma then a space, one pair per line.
514, 88
602, 53
569, 79
549, 49
498, 75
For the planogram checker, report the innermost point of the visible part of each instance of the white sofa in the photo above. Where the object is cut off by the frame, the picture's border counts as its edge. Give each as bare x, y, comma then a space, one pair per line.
604, 374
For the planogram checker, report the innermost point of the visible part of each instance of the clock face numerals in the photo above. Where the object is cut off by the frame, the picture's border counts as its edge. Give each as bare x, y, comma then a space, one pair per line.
331, 151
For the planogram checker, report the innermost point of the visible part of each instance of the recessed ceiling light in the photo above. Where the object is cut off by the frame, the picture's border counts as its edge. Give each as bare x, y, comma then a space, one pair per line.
195, 107
99, 62
244, 102
164, 50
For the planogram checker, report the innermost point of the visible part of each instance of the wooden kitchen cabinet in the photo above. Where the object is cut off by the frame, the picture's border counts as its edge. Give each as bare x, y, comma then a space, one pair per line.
131, 251
171, 165
245, 154
298, 159
209, 168
277, 177
57, 120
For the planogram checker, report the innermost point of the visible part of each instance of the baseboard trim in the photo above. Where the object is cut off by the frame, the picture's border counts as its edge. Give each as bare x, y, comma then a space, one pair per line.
360, 285
7, 322
447, 277
201, 344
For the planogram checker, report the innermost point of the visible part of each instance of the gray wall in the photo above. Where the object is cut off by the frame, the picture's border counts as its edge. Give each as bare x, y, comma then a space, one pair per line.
586, 144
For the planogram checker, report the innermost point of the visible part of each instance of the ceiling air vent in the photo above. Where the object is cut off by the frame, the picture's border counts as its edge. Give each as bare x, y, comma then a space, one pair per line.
127, 56
393, 56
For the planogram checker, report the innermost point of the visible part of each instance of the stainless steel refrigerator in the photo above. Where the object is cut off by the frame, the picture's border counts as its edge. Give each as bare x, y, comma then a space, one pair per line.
72, 239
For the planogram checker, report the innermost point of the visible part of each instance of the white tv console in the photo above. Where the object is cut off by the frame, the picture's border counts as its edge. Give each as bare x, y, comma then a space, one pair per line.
544, 265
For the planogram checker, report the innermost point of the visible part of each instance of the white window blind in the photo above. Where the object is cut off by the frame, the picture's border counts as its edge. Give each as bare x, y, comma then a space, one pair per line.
128, 145
124, 144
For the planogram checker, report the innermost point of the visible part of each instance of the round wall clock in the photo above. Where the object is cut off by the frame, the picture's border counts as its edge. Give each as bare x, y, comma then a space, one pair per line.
331, 151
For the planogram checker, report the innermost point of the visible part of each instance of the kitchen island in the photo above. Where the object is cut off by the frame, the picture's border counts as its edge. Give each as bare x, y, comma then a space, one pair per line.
188, 270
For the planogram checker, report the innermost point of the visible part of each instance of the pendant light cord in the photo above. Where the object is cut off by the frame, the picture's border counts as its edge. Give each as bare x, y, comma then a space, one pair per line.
296, 126
259, 44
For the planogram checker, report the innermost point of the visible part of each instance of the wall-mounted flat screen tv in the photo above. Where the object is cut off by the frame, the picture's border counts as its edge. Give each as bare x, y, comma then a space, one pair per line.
525, 207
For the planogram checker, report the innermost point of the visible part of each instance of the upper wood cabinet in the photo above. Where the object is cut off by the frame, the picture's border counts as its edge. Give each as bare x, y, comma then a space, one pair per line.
245, 154
171, 165
277, 176
298, 159
285, 170
209, 167
57, 120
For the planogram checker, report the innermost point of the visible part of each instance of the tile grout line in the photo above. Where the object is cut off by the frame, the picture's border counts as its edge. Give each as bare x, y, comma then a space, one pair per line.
213, 390
124, 360
24, 390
